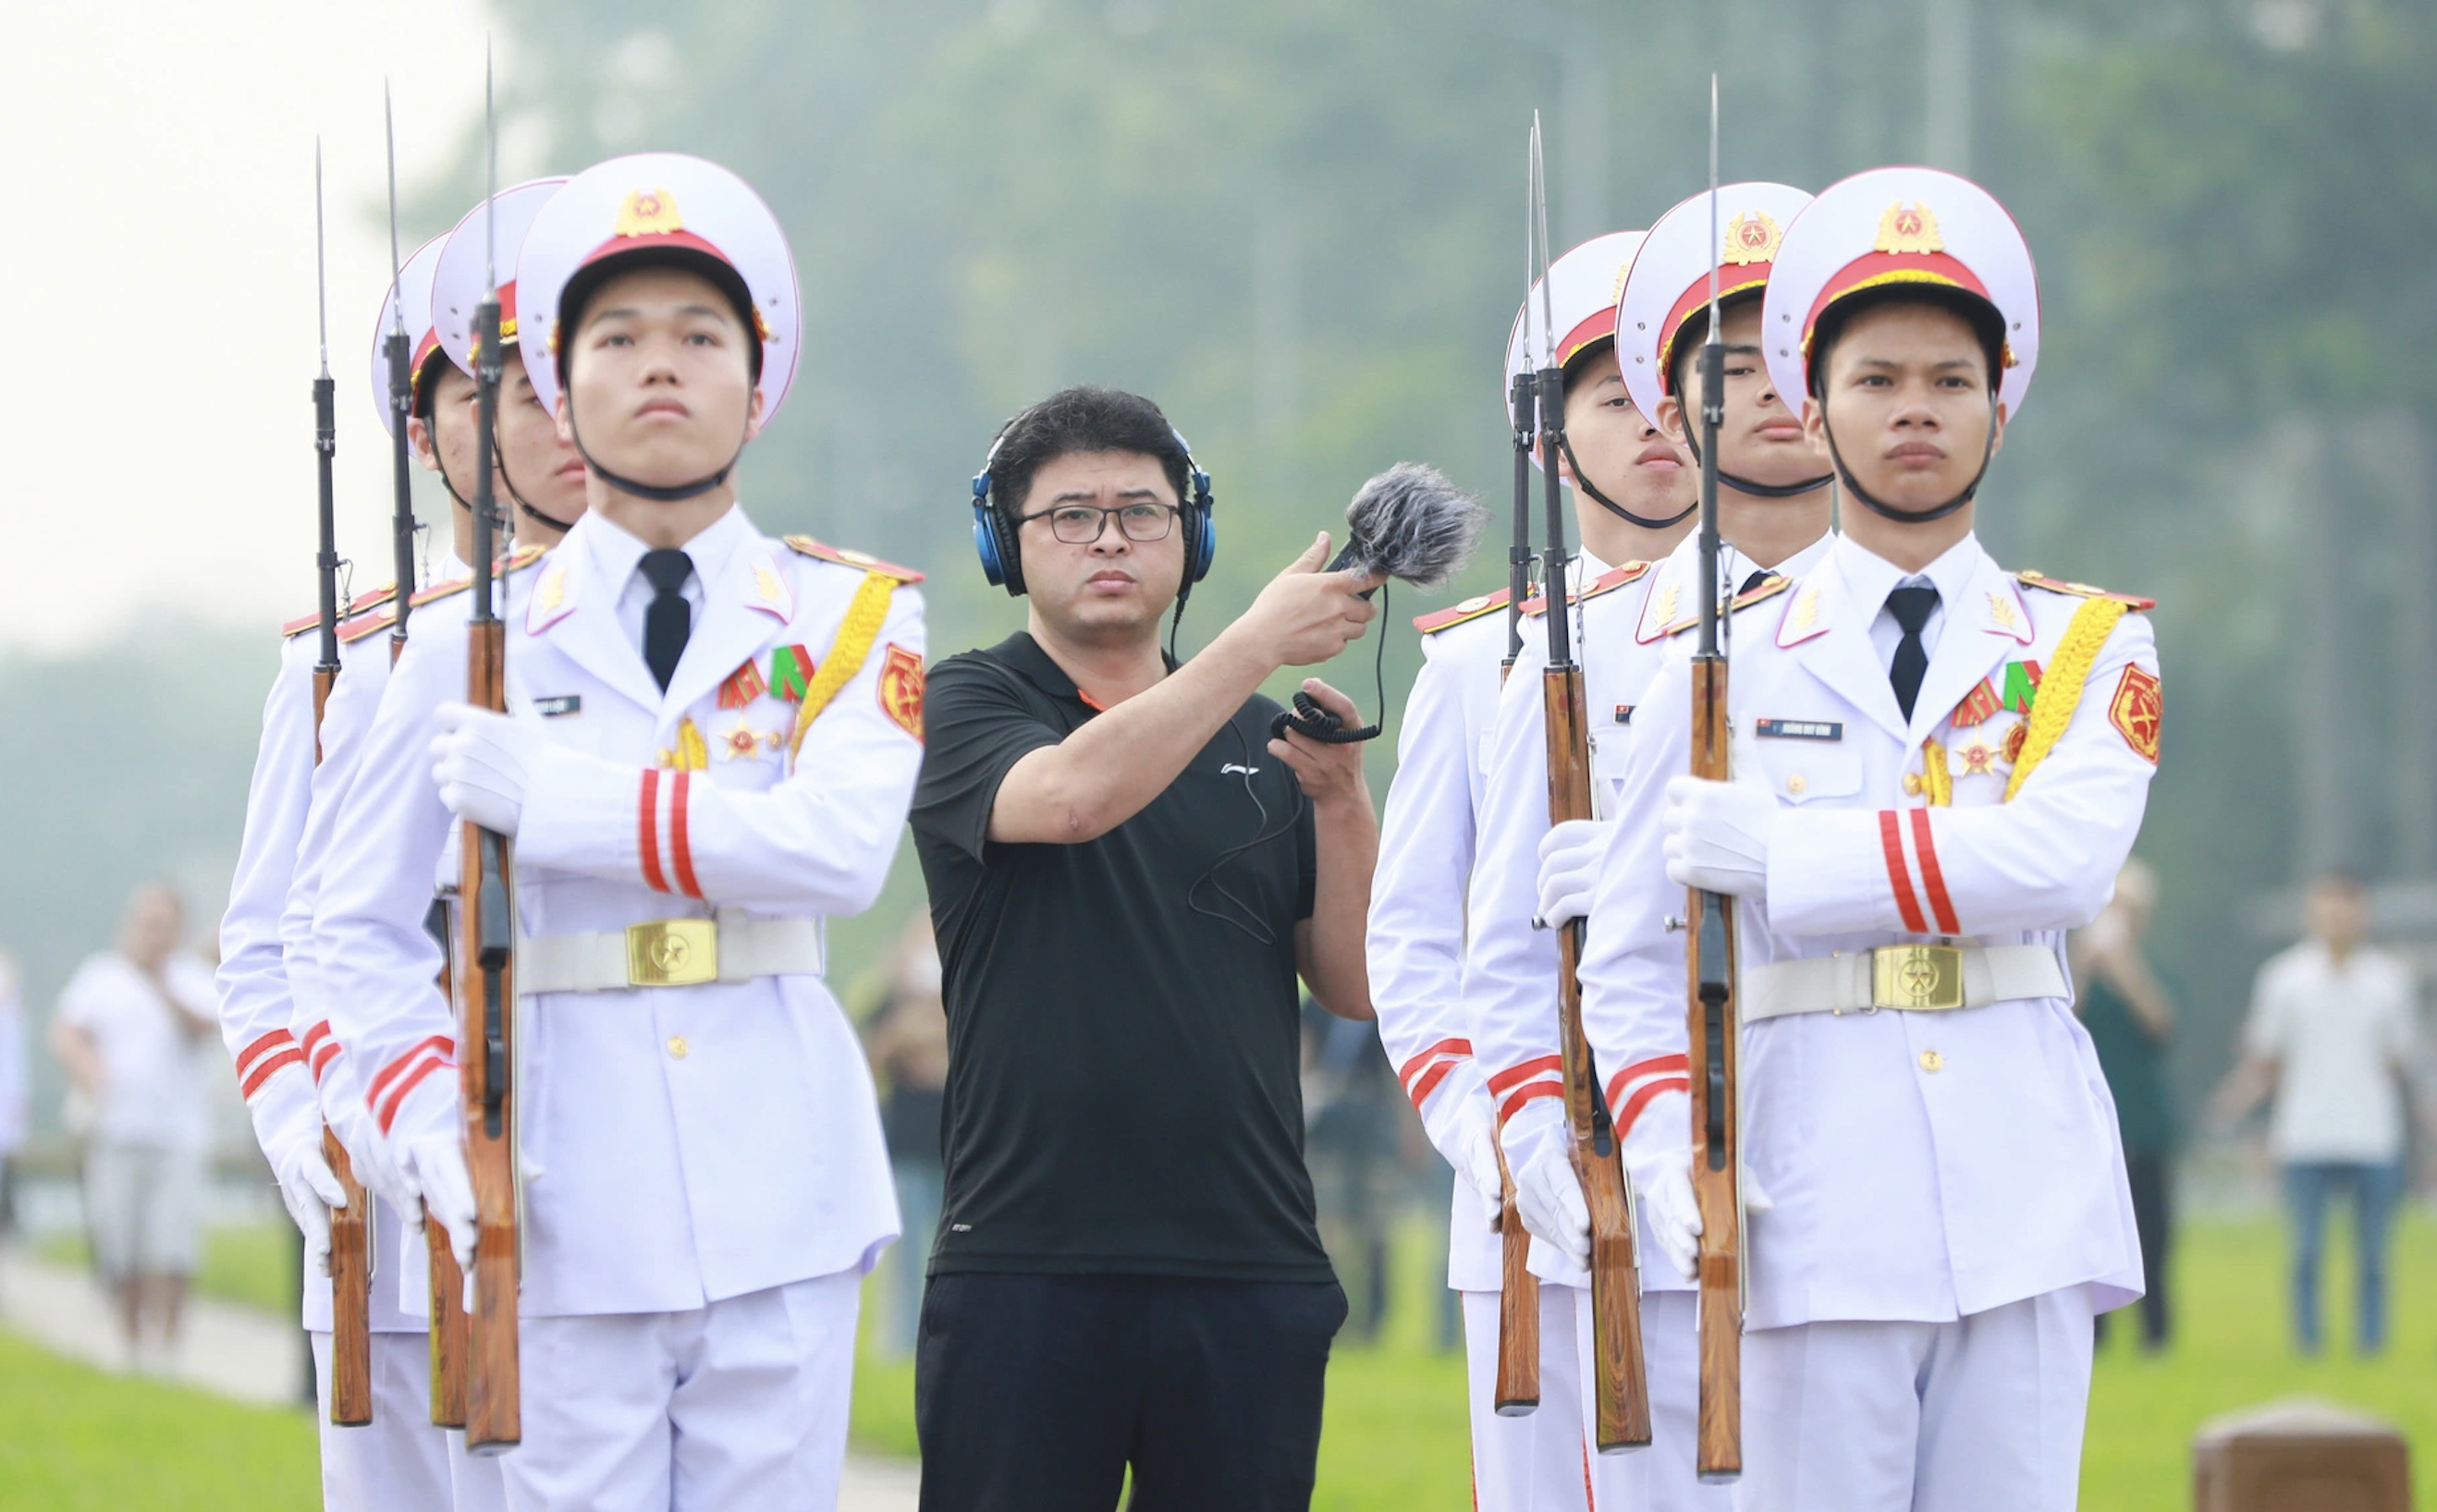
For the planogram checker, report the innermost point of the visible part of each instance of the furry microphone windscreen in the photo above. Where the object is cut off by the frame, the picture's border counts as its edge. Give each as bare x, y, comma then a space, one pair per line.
1411, 523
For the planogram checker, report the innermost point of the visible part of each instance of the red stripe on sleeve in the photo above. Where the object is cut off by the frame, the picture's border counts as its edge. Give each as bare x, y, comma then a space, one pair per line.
1534, 1091
440, 1044
681, 791
1932, 879
1429, 1083
269, 1067
385, 1112
1891, 841
262, 1047
1641, 1099
323, 1057
647, 840
1537, 1066
314, 1035
1422, 1062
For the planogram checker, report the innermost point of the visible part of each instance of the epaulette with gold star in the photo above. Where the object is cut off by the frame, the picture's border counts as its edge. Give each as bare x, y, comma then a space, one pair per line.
2081, 590
372, 599
1456, 614
372, 623
806, 546
1607, 582
1767, 588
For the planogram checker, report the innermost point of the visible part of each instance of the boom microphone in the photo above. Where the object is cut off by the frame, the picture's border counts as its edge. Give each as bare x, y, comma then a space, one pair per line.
1408, 523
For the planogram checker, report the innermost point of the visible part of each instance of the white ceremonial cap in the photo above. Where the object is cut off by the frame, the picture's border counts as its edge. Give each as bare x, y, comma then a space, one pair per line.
416, 280
465, 265
670, 205
1903, 225
1669, 280
1582, 307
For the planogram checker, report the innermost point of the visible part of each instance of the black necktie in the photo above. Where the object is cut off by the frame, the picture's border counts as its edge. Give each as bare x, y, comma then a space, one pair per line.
1911, 607
1759, 576
670, 619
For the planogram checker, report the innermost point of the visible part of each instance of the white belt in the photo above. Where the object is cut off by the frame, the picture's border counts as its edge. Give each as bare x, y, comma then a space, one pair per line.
1908, 978
671, 953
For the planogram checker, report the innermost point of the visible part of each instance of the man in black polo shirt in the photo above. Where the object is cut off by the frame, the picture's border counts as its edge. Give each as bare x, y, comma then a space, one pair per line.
1128, 875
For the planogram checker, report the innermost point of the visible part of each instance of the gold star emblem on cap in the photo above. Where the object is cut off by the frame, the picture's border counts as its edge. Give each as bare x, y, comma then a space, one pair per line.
648, 213
1908, 227
1752, 236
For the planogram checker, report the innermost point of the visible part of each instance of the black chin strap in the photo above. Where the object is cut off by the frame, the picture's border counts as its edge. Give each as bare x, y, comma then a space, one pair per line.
651, 491
1583, 482
1744, 485
1845, 474
499, 456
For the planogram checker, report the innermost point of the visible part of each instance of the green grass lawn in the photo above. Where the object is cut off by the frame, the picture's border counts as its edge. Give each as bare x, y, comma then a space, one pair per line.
255, 1264
73, 1439
1396, 1435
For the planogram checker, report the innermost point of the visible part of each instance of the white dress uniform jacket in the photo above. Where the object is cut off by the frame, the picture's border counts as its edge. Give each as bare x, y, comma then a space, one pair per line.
1416, 940
681, 1145
1923, 1166
1619, 625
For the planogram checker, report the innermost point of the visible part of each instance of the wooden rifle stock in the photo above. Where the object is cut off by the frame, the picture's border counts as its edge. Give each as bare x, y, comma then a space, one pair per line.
351, 1226
1517, 1388
1519, 1291
486, 1000
1709, 956
1620, 1386
448, 1279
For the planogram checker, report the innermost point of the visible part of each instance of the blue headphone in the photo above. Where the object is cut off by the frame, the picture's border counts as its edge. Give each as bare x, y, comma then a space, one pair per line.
1003, 559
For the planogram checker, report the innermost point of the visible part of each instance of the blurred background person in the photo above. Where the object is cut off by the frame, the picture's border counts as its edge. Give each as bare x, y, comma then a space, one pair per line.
13, 1087
2124, 1003
127, 1033
2330, 1037
1350, 1099
907, 1041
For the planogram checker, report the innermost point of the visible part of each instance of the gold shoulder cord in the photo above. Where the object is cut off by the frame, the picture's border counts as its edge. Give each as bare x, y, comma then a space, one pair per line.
846, 653
2060, 688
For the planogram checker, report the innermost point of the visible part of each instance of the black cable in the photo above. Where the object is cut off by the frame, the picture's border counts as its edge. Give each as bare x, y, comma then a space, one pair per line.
1249, 922
1314, 723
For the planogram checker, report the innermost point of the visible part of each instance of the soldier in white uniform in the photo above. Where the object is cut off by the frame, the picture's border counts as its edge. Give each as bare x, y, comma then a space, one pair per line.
1780, 513
714, 734
1633, 496
1939, 767
271, 1017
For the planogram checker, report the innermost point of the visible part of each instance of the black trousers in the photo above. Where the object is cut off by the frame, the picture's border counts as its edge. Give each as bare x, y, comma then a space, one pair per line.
2153, 1222
1038, 1392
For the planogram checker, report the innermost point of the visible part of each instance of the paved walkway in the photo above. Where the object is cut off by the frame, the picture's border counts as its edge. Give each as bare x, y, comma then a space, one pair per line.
253, 1357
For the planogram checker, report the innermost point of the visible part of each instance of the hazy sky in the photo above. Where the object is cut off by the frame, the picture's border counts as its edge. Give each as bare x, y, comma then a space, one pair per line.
157, 405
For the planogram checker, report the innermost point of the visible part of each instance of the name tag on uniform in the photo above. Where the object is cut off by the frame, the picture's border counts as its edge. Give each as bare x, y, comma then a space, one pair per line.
1800, 729
550, 708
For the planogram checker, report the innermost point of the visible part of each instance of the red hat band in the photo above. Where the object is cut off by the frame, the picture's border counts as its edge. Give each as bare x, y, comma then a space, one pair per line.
626, 242
1878, 269
1744, 279
1600, 326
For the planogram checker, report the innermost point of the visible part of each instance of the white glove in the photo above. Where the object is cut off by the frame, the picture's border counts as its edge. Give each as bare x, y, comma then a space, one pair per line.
1474, 1156
1717, 835
1658, 1160
1548, 1196
480, 760
311, 1189
375, 1164
1570, 865
430, 1150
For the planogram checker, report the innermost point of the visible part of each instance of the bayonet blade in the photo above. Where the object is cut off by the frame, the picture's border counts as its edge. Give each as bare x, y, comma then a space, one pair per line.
396, 267
321, 260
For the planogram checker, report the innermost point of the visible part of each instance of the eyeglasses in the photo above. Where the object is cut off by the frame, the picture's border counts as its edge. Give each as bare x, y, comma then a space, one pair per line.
1082, 524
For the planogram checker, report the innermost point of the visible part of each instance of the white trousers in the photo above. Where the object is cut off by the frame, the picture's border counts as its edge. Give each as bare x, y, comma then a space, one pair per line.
740, 1406
1544, 1462
1533, 1463
1982, 1414
398, 1462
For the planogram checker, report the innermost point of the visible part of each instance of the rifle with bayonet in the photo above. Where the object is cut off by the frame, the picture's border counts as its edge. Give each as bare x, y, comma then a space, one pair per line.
485, 915
1517, 1387
351, 1226
1710, 965
447, 1289
1620, 1387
